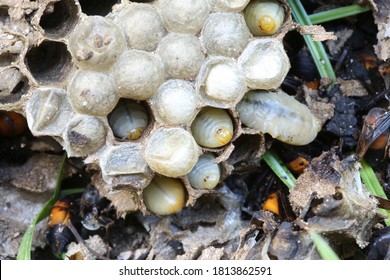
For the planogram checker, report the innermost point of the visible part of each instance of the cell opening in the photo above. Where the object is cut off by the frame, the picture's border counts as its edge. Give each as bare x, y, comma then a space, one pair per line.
50, 62
213, 127
59, 18
130, 120
97, 8
7, 59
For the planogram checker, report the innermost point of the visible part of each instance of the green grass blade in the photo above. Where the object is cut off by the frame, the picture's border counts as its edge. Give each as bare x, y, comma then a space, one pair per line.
317, 49
323, 248
277, 166
374, 187
338, 13
24, 252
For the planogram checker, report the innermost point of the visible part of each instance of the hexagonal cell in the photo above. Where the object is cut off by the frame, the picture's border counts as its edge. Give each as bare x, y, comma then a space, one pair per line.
265, 63
172, 152
228, 5
13, 84
164, 196
141, 24
129, 119
212, 127
138, 74
48, 111
125, 164
59, 18
97, 8
84, 135
182, 55
92, 93
225, 34
184, 16
206, 173
96, 43
49, 63
221, 82
175, 103
264, 17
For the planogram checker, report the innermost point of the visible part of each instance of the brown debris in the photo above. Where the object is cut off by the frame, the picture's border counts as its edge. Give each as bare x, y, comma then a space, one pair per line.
317, 31
331, 199
382, 19
352, 87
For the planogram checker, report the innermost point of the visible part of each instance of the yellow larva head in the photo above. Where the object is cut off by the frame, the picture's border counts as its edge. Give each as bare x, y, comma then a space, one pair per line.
223, 135
212, 128
267, 24
135, 133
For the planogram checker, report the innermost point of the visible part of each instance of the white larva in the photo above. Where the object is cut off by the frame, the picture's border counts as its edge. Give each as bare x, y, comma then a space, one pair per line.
212, 128
164, 196
280, 115
264, 17
128, 120
206, 173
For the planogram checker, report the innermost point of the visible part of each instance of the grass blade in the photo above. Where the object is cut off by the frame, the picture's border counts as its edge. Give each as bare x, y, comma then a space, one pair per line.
317, 49
338, 13
277, 166
374, 187
323, 248
25, 245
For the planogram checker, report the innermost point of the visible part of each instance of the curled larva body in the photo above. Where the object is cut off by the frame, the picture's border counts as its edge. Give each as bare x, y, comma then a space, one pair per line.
264, 17
206, 173
164, 196
212, 128
280, 115
128, 120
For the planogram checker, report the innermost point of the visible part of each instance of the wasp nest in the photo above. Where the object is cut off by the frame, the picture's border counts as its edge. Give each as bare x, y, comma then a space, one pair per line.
143, 90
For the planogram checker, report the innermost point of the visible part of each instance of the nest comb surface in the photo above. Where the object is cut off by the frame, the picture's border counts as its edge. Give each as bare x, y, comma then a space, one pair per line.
51, 49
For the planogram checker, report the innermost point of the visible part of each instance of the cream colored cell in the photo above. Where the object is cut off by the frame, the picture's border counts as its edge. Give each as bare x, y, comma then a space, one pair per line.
175, 103
265, 63
141, 24
228, 5
84, 135
184, 16
92, 93
138, 74
164, 196
220, 79
96, 43
182, 55
172, 152
225, 34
